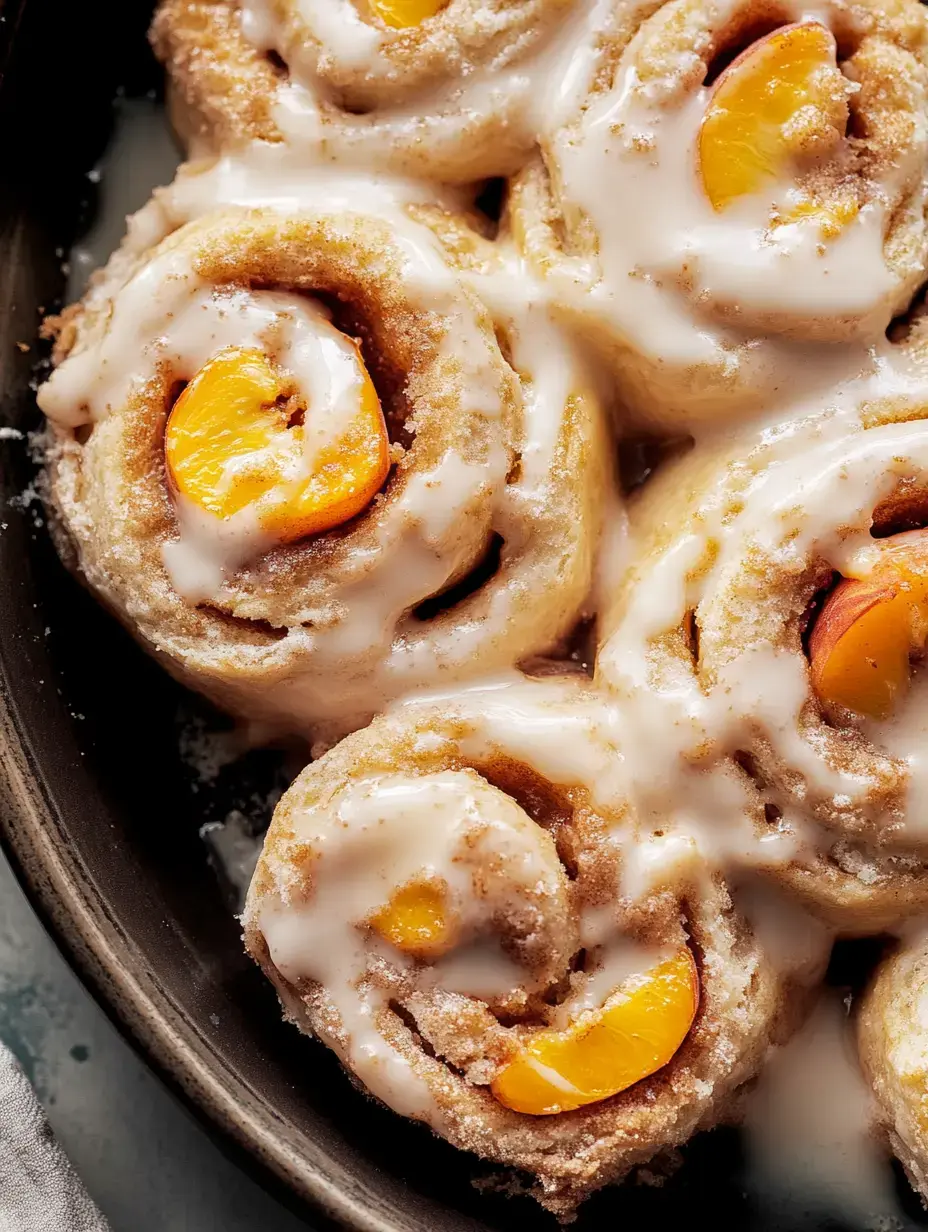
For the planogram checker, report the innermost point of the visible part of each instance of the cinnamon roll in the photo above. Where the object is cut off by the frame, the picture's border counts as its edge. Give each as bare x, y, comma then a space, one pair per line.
772, 631
288, 453
454, 900
744, 183
892, 1036
443, 89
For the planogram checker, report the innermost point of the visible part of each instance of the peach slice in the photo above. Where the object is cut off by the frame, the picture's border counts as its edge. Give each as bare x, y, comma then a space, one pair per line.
832, 216
415, 920
868, 628
781, 100
403, 14
636, 1033
231, 443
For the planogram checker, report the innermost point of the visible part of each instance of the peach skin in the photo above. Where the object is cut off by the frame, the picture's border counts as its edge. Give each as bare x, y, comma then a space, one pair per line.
369, 831
235, 440
868, 629
635, 1034
781, 101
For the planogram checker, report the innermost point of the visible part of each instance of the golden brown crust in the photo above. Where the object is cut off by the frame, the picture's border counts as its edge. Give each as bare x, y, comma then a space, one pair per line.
861, 863
224, 90
674, 45
252, 648
221, 88
742, 997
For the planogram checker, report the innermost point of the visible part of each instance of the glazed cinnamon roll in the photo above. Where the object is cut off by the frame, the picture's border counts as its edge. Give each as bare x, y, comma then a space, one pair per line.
744, 182
443, 89
775, 622
289, 454
892, 1036
454, 900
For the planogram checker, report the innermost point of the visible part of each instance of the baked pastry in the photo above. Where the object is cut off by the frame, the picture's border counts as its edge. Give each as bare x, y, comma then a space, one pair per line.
438, 520
734, 644
453, 899
446, 90
892, 1037
743, 183
328, 437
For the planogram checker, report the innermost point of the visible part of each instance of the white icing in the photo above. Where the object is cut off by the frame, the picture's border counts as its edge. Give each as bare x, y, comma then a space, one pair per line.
809, 1125
279, 177
656, 224
140, 156
208, 548
621, 960
168, 315
341, 29
556, 68
905, 735
375, 837
235, 849
420, 537
686, 287
481, 971
568, 740
796, 943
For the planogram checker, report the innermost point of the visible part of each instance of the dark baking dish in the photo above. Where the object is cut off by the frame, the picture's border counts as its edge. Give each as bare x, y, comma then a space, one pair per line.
98, 810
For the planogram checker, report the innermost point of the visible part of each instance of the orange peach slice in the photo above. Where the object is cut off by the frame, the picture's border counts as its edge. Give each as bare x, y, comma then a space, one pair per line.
868, 628
832, 216
636, 1033
415, 920
402, 14
777, 102
232, 442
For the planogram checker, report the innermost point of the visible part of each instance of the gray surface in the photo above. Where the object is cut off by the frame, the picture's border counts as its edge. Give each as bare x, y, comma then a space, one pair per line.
144, 1160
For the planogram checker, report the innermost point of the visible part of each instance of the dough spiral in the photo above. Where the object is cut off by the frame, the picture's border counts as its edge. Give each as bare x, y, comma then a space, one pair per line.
892, 1035
449, 93
469, 864
714, 224
475, 550
328, 434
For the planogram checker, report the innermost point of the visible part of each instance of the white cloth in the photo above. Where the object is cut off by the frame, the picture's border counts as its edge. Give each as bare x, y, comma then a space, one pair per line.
39, 1190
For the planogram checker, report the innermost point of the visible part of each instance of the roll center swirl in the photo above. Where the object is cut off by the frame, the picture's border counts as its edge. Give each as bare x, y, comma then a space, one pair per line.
780, 109
417, 890
244, 435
